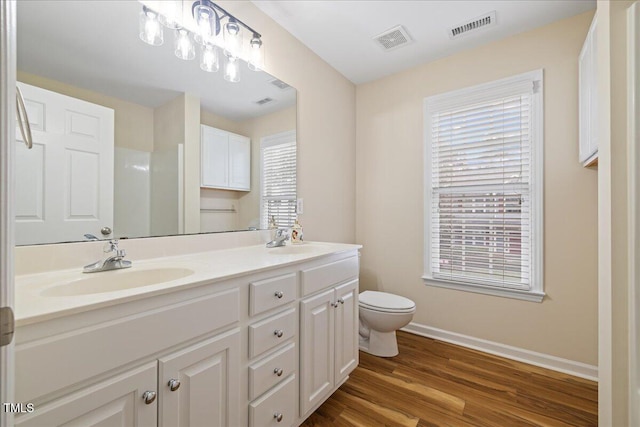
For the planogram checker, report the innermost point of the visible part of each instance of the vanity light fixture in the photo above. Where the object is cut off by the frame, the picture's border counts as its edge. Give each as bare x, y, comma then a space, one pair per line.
210, 33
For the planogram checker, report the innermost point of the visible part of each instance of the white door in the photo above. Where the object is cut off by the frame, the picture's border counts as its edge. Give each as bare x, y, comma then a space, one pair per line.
64, 184
317, 341
346, 325
117, 401
215, 157
198, 385
239, 162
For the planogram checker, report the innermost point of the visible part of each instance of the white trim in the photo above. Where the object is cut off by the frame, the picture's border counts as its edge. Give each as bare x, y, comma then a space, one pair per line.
478, 93
524, 295
7, 148
542, 360
633, 163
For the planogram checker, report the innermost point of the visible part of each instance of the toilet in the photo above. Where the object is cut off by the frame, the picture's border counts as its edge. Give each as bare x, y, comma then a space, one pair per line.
381, 315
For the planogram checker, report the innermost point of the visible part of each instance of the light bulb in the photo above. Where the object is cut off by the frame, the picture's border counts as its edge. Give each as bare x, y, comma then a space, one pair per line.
207, 20
232, 38
150, 28
256, 54
232, 70
209, 60
184, 48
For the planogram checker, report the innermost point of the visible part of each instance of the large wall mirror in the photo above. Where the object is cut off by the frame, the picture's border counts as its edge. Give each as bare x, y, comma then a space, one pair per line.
117, 129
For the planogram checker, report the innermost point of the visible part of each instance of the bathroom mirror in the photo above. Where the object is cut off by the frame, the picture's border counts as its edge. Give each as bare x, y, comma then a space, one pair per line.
91, 51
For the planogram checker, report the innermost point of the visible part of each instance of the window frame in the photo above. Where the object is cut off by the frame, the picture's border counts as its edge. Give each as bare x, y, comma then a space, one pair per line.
477, 94
286, 137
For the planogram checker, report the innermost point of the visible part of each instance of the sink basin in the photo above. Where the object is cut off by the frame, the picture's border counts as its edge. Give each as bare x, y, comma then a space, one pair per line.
295, 249
116, 280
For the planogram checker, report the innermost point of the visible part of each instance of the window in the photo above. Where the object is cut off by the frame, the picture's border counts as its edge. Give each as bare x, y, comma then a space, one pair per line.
278, 194
483, 188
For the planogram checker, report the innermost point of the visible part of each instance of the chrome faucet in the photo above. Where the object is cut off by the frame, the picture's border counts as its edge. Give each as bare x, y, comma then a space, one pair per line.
114, 262
280, 238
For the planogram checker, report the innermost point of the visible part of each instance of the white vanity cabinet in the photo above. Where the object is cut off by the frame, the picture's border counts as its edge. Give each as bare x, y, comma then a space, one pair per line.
225, 159
328, 330
588, 98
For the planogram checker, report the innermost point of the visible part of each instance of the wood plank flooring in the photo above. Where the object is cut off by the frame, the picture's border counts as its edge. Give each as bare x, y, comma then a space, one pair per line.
432, 383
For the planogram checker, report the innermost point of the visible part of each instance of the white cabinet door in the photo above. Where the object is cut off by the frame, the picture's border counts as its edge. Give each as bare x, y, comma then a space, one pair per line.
346, 330
64, 184
593, 88
114, 402
588, 98
207, 393
215, 157
239, 162
317, 349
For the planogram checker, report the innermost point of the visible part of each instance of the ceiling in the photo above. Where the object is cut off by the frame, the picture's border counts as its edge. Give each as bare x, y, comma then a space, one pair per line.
341, 31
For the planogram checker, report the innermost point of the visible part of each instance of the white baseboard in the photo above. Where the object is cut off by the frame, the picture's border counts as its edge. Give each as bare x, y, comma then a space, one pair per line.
554, 363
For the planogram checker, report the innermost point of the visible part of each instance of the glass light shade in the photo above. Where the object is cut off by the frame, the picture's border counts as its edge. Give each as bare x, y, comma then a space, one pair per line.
209, 58
232, 69
184, 47
256, 54
171, 13
150, 28
232, 38
207, 20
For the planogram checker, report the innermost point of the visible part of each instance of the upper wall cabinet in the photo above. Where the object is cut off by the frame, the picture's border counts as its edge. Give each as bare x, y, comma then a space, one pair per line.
226, 159
588, 99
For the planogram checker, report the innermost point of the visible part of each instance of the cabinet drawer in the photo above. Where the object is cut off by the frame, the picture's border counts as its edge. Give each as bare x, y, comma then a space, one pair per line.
280, 404
271, 332
317, 278
264, 374
271, 293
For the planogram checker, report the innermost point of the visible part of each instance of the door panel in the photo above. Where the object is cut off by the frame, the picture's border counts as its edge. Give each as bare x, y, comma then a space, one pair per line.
346, 330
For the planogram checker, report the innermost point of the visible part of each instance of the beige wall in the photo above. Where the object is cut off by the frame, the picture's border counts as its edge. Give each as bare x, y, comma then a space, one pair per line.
613, 229
326, 128
133, 122
389, 206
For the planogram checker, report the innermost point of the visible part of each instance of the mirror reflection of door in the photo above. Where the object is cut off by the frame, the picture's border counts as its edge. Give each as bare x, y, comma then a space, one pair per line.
64, 184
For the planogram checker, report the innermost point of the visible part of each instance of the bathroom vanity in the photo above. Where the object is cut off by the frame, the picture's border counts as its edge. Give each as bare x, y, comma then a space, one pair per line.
247, 336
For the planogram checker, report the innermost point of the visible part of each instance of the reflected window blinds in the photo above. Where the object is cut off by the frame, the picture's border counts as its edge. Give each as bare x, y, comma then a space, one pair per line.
278, 183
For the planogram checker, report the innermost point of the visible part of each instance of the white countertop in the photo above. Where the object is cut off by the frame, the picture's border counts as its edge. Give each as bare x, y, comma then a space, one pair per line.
32, 305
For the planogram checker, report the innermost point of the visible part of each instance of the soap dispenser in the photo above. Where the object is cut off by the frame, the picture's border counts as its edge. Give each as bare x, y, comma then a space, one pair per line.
296, 233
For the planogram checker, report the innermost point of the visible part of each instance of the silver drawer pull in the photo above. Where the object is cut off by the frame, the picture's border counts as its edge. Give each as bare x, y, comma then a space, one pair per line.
341, 301
278, 332
149, 397
174, 384
278, 371
334, 304
278, 416
279, 294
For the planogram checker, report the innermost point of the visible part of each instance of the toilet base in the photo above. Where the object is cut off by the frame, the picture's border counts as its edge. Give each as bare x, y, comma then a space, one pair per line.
382, 344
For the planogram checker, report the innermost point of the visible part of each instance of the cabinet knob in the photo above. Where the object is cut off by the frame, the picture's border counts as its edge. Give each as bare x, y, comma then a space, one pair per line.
278, 371
334, 304
149, 397
278, 416
341, 301
174, 384
279, 294
278, 332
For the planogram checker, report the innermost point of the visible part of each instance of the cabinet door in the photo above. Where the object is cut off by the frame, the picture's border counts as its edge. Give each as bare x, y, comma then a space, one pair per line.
239, 162
593, 90
317, 341
215, 157
208, 392
117, 401
346, 330
584, 100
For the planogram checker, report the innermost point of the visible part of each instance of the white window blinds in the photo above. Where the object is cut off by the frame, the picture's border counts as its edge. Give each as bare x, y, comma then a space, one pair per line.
481, 152
278, 155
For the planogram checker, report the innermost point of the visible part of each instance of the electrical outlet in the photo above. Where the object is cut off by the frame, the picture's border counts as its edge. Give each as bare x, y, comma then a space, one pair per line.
299, 206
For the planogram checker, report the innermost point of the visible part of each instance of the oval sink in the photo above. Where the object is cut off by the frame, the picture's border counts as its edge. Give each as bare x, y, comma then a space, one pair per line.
116, 280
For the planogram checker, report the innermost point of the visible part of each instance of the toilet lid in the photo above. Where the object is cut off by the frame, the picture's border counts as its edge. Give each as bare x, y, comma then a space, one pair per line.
382, 301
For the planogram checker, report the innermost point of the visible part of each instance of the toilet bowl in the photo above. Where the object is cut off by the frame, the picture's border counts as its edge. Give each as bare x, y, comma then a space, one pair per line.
381, 315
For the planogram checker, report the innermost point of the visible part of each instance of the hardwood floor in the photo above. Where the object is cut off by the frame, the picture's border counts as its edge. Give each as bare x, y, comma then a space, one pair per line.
432, 383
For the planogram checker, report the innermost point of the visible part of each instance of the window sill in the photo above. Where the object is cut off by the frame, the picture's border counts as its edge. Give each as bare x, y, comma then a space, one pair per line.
532, 296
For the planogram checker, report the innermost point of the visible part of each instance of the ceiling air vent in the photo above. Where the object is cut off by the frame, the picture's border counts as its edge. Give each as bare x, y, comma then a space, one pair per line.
393, 38
279, 84
483, 21
264, 101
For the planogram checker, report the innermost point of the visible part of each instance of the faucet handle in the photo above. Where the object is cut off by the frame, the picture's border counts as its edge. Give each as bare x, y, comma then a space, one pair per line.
111, 246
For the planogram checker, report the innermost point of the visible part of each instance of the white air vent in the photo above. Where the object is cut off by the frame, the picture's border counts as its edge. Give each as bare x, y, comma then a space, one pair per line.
279, 84
264, 101
484, 21
393, 38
